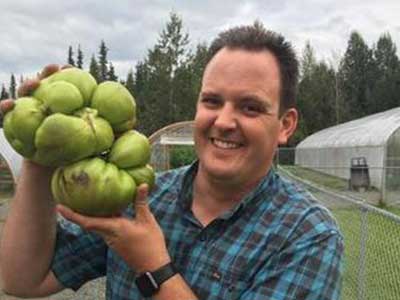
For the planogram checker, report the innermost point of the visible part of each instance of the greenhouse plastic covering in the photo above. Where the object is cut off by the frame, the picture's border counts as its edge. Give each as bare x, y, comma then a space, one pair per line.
375, 137
373, 130
13, 159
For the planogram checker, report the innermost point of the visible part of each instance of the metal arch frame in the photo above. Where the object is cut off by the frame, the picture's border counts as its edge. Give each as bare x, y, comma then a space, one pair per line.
161, 147
156, 136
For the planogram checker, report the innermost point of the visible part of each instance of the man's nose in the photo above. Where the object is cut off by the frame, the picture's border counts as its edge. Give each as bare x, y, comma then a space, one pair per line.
226, 118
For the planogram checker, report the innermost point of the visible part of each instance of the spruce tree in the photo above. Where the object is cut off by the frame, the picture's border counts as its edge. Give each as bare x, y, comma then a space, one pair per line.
4, 94
94, 68
130, 82
356, 78
13, 87
159, 86
71, 60
387, 77
111, 73
79, 61
103, 62
316, 95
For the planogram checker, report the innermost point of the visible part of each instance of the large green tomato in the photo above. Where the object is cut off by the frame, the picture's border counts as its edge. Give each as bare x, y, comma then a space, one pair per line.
104, 186
93, 187
114, 103
130, 150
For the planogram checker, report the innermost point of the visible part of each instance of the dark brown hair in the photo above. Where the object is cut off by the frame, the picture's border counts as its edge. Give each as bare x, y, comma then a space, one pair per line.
256, 38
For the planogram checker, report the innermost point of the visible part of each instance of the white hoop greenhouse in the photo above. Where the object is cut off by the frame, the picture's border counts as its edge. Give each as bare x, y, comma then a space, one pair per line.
375, 137
12, 158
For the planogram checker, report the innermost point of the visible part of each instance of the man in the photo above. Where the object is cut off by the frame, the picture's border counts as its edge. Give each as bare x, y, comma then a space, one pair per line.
229, 225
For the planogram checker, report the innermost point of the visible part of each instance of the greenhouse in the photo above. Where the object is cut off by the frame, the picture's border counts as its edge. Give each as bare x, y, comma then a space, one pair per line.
163, 140
10, 161
374, 140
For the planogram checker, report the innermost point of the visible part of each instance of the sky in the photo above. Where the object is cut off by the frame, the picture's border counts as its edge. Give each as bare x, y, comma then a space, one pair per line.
34, 33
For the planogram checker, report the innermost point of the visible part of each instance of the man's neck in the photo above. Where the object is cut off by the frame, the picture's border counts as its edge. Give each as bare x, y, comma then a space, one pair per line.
212, 197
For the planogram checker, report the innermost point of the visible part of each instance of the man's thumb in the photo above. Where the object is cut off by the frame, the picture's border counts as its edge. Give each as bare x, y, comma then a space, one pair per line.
6, 106
141, 206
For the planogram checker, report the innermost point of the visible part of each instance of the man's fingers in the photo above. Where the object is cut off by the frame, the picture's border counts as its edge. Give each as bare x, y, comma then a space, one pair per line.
48, 70
67, 66
142, 210
103, 226
27, 87
6, 106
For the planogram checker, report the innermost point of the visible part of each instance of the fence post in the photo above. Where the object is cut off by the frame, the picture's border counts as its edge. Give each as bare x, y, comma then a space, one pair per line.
363, 250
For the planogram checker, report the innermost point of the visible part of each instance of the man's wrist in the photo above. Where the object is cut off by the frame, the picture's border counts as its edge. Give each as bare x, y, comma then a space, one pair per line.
149, 282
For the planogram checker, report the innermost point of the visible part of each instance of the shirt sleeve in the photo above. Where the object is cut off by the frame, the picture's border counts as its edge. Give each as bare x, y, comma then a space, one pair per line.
309, 269
79, 256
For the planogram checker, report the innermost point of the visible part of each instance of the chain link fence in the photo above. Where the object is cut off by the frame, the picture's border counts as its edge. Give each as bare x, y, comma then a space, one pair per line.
372, 234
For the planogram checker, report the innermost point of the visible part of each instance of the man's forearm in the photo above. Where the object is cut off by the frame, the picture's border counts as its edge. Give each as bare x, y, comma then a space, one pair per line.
28, 237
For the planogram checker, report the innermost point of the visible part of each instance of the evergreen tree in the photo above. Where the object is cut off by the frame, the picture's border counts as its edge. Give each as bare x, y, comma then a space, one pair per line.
79, 61
357, 77
13, 87
130, 82
197, 65
387, 86
94, 68
188, 78
308, 61
4, 94
103, 62
316, 96
71, 60
111, 73
159, 70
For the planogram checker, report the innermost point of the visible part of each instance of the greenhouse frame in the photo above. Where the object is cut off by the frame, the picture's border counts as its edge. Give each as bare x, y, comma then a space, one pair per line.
376, 138
180, 133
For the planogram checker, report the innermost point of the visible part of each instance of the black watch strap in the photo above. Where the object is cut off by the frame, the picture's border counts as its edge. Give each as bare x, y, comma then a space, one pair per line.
149, 283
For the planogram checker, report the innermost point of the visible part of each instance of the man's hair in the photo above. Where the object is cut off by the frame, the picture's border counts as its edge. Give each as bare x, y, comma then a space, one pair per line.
256, 38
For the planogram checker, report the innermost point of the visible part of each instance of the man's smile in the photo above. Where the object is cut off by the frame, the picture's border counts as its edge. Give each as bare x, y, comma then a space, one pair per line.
223, 144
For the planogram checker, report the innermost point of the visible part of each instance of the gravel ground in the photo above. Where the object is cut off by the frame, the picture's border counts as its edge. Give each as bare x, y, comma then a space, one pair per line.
94, 290
91, 291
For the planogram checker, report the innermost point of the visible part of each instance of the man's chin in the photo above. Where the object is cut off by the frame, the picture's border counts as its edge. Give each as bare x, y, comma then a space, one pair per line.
221, 173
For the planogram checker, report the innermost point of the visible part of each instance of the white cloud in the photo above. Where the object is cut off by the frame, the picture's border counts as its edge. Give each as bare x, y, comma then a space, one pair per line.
38, 32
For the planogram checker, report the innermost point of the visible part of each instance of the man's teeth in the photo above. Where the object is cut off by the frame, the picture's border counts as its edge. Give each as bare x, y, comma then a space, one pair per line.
225, 145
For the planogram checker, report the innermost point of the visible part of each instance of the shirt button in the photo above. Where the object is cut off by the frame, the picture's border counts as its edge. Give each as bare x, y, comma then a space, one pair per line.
203, 237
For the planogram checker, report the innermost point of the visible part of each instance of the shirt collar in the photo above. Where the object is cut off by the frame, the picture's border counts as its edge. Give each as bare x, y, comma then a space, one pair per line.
186, 191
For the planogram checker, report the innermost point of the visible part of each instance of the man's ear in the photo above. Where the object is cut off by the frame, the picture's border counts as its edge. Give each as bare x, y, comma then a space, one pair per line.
288, 124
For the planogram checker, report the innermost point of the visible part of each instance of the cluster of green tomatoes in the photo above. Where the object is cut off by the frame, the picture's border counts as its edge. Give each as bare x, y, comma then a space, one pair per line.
86, 131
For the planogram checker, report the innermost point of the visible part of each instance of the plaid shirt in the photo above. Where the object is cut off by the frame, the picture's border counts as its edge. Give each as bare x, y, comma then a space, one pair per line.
278, 243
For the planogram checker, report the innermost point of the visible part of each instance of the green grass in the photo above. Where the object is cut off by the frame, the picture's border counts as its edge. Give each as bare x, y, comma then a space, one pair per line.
318, 177
382, 249
381, 238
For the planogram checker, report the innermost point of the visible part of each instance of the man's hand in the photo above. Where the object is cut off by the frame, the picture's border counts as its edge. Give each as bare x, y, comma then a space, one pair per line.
29, 85
139, 241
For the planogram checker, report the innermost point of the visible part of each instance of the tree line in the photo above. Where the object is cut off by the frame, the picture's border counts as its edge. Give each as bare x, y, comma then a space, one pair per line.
366, 81
166, 82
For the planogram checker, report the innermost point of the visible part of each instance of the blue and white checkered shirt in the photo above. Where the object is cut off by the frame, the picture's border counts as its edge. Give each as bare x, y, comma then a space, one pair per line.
278, 243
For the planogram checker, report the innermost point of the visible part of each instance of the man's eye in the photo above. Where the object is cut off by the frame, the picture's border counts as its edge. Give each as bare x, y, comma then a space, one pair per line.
211, 102
253, 109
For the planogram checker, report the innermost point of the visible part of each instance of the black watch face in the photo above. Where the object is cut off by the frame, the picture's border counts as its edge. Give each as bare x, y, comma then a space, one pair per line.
146, 284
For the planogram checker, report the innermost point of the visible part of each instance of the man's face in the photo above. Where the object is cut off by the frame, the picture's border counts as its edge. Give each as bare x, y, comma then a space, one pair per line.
237, 124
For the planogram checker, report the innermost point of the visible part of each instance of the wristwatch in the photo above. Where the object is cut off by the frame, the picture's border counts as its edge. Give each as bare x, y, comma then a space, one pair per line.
149, 283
